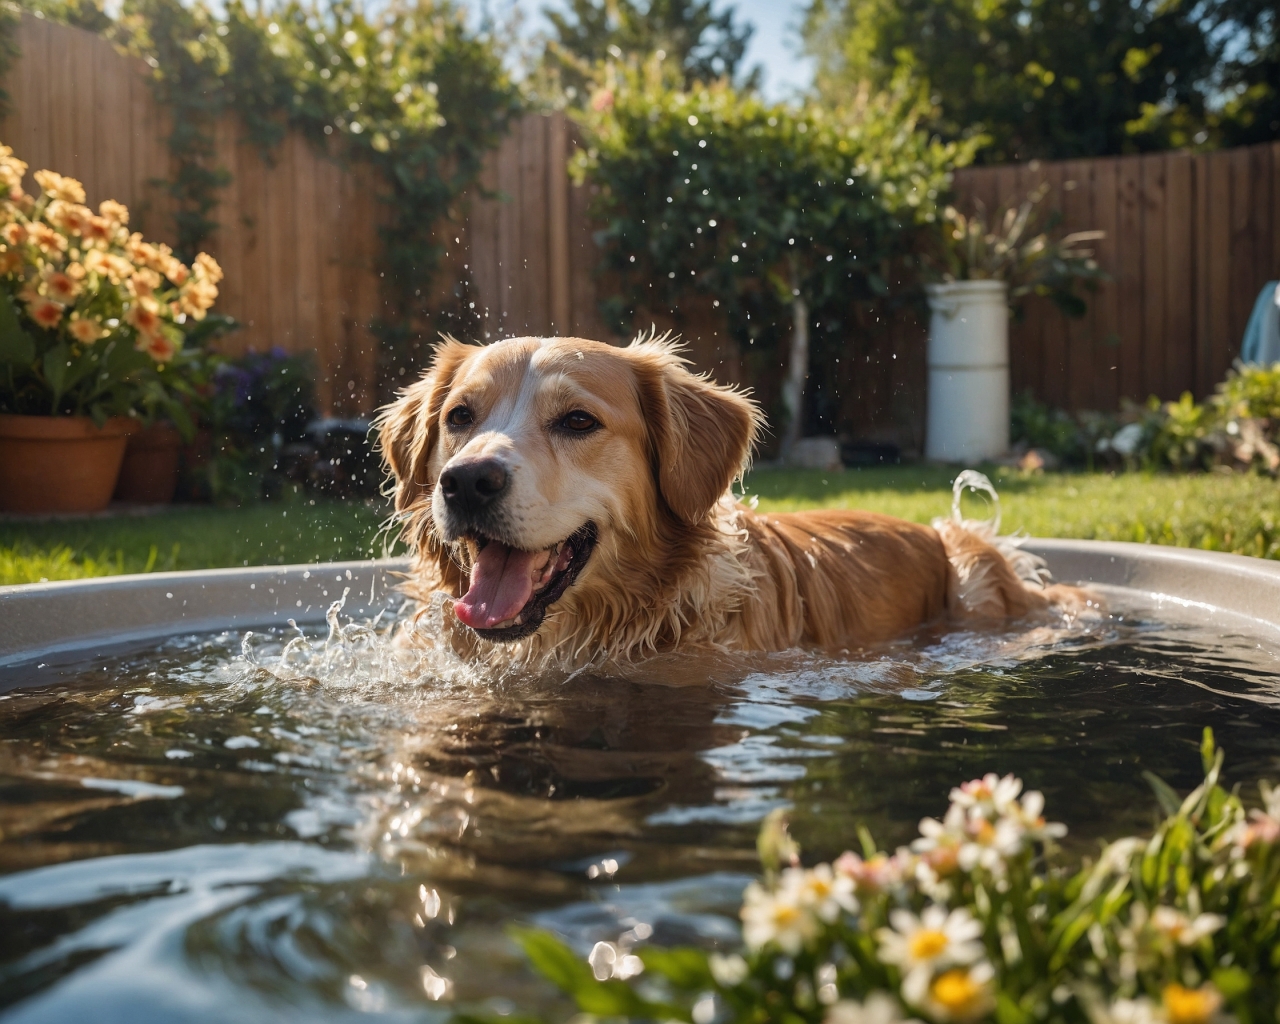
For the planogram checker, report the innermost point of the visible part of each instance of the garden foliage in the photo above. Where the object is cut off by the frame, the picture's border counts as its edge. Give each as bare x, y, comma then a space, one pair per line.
1016, 245
1238, 427
256, 405
93, 318
1059, 80
410, 89
982, 919
712, 199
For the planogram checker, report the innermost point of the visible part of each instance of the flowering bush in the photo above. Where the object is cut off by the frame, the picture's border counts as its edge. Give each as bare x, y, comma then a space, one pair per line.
979, 920
91, 315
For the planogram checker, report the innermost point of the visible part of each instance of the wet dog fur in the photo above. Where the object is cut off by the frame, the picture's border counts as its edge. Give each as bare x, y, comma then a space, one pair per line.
609, 485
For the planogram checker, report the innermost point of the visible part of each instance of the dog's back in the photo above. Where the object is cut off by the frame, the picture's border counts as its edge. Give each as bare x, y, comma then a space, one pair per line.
845, 579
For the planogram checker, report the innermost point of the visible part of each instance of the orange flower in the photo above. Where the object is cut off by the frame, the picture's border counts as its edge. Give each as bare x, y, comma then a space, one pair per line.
47, 239
139, 251
97, 231
86, 331
157, 346
207, 267
61, 287
11, 170
15, 234
196, 298
144, 282
71, 218
144, 317
10, 261
67, 189
116, 214
111, 266
45, 313
177, 272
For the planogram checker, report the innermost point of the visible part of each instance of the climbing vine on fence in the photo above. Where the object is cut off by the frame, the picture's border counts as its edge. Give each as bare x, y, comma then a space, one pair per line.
413, 90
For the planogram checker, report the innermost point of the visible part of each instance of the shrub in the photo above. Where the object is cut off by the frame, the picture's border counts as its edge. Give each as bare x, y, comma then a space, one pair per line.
261, 402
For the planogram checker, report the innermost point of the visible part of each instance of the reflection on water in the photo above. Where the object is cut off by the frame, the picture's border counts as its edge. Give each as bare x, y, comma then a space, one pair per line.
236, 827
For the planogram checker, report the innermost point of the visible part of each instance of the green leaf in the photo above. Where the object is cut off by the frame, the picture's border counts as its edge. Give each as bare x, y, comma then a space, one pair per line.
1168, 800
567, 971
56, 363
16, 345
685, 968
1232, 982
555, 961
1009, 1012
1207, 751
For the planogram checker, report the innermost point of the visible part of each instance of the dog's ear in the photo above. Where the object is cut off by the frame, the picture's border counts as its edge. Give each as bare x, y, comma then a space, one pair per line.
701, 432
408, 428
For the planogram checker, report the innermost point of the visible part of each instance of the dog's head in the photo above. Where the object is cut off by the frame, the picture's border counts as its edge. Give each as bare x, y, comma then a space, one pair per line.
543, 472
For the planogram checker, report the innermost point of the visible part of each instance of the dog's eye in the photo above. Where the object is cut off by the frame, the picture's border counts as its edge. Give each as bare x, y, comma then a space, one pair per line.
579, 422
459, 417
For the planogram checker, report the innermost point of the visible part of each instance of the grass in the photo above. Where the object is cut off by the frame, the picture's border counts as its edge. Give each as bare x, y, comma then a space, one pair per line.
189, 538
1239, 513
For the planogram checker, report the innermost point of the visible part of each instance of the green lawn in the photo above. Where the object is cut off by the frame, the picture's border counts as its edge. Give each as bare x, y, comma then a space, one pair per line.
1220, 512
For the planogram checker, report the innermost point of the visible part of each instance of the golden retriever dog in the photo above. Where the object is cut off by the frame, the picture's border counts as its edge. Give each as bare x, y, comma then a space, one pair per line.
573, 500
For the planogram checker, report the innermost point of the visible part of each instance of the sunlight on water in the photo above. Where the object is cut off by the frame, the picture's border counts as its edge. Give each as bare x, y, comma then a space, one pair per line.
227, 826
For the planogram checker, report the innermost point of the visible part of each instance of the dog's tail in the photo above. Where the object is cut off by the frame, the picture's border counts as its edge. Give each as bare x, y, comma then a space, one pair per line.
991, 576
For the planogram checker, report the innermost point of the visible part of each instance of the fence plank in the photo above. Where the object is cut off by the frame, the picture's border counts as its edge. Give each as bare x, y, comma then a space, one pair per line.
558, 225
1104, 303
1154, 343
1179, 276
1218, 267
531, 259
1129, 280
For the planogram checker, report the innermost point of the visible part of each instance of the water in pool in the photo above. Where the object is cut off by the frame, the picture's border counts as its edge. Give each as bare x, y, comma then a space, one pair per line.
252, 828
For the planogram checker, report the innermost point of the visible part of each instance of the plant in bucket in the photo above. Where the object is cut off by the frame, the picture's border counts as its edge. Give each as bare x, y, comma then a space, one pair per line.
92, 324
984, 268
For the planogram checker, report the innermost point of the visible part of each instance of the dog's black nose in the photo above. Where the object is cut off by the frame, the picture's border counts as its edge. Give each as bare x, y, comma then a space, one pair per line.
470, 486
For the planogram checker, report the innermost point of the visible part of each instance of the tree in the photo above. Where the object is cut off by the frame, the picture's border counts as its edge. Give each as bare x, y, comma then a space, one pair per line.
780, 218
1040, 78
1246, 36
703, 44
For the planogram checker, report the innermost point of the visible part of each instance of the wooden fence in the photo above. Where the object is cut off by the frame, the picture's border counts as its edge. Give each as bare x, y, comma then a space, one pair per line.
296, 237
1190, 240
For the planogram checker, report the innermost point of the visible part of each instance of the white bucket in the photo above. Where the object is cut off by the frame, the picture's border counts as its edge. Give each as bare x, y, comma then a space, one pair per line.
968, 371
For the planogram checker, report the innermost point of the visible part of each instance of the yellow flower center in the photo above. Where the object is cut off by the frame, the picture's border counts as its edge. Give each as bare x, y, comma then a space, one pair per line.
955, 991
785, 915
1190, 1005
927, 943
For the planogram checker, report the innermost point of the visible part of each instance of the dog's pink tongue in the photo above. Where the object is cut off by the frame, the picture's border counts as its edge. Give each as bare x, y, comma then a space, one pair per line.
501, 584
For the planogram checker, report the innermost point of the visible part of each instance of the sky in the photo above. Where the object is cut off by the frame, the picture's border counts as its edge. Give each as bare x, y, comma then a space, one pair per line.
773, 45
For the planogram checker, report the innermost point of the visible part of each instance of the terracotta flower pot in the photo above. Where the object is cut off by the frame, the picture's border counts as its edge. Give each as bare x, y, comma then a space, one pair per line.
60, 463
149, 473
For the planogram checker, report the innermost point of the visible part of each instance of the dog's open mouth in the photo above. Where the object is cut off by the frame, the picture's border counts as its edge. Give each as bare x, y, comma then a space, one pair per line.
510, 589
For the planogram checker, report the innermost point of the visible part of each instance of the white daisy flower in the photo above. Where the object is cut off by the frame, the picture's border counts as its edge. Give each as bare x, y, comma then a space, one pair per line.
1131, 1011
877, 1008
990, 794
1183, 929
961, 994
920, 946
777, 917
822, 889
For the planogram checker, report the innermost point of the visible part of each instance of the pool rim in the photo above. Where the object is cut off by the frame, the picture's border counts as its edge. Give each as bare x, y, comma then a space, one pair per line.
64, 618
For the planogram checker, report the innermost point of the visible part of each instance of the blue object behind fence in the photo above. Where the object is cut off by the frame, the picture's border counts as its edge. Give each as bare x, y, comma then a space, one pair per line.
1262, 335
